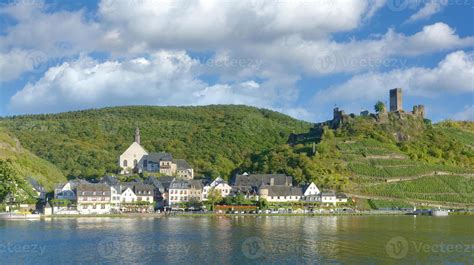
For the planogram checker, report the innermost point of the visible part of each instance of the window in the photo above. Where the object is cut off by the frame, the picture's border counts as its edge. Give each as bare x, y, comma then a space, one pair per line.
102, 206
135, 163
94, 206
84, 207
125, 163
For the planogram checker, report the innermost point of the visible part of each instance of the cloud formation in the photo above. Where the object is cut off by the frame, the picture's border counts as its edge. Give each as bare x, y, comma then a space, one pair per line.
429, 9
182, 52
165, 78
454, 74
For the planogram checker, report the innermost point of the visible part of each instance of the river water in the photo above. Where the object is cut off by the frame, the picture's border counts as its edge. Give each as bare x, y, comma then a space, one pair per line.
240, 240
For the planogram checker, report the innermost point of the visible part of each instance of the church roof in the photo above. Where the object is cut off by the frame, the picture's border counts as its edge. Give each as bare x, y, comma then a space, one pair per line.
135, 144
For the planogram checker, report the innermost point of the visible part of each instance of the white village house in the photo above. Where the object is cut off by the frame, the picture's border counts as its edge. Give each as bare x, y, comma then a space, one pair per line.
93, 198
218, 184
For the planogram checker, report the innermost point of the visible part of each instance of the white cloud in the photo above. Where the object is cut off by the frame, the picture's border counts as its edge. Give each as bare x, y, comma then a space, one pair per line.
38, 39
429, 9
322, 57
164, 78
432, 38
374, 6
205, 24
465, 115
12, 64
454, 74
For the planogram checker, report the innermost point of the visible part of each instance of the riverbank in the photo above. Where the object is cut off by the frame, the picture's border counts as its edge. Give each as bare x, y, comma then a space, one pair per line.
210, 214
164, 215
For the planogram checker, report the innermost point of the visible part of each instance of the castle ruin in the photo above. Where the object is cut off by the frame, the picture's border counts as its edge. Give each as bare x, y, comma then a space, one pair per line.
340, 118
396, 103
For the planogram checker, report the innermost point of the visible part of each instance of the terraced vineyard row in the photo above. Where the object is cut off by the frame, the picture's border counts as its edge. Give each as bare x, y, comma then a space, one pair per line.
368, 169
367, 147
437, 188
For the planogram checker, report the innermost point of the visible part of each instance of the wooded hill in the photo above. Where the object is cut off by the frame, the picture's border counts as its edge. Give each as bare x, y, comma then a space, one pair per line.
433, 163
214, 139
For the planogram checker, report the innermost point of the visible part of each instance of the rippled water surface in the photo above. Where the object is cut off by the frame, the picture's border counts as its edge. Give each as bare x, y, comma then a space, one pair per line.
240, 240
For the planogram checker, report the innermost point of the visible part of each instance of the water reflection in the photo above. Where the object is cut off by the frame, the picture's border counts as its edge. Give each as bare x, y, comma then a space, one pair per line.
236, 240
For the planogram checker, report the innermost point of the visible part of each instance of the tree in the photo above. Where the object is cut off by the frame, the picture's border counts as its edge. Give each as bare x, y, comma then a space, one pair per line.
8, 179
239, 199
214, 196
262, 204
379, 107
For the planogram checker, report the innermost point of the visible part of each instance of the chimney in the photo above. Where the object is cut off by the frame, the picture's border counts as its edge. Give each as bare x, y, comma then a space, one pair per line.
272, 181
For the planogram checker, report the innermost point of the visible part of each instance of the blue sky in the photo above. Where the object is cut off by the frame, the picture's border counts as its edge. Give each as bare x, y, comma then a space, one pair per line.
298, 57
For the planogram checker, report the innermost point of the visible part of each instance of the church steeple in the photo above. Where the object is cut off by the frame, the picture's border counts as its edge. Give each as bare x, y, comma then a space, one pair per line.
137, 135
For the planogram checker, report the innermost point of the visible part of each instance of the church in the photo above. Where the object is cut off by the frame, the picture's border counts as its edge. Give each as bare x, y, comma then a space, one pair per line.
136, 160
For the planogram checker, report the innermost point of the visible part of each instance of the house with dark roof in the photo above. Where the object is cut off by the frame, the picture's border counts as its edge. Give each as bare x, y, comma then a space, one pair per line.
67, 190
158, 162
218, 184
165, 164
183, 169
93, 198
341, 198
162, 184
184, 191
281, 193
249, 184
328, 197
39, 189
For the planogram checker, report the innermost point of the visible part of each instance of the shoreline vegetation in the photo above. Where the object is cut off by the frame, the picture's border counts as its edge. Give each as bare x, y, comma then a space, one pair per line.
171, 215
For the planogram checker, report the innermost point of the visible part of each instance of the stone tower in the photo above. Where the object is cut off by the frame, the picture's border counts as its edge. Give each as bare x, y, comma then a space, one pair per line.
419, 110
396, 100
137, 135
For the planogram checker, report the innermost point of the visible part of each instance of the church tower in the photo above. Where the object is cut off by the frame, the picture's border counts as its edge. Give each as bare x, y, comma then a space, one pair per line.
137, 135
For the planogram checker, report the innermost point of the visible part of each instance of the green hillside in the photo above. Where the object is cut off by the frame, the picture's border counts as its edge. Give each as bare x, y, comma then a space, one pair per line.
407, 160
214, 139
403, 159
27, 164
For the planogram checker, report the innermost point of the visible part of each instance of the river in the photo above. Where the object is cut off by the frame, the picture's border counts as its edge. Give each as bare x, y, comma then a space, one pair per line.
240, 240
